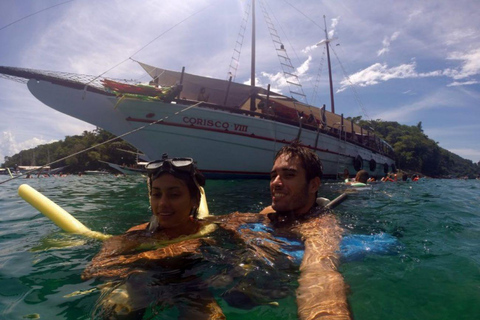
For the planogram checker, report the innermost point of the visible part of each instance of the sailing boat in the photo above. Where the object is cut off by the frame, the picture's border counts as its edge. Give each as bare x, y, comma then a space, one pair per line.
230, 129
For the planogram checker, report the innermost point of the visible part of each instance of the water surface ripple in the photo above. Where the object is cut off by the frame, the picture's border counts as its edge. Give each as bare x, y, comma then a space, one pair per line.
433, 271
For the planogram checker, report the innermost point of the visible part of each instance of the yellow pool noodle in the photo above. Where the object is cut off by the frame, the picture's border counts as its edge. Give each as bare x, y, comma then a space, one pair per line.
59, 216
203, 207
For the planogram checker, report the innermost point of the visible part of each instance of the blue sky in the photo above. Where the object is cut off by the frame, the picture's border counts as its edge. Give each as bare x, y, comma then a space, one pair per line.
405, 61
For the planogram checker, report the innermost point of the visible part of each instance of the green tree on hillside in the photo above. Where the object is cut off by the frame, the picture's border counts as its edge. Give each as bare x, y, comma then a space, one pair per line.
89, 160
416, 152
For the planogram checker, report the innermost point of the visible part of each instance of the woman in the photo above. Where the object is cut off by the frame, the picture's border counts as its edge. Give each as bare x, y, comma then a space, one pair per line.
149, 262
175, 192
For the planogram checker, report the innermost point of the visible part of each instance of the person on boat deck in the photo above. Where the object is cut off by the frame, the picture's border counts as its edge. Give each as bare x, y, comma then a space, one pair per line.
267, 110
175, 193
294, 182
360, 177
202, 95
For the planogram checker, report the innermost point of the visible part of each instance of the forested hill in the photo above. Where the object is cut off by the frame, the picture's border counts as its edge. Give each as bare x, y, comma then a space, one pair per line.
47, 153
414, 152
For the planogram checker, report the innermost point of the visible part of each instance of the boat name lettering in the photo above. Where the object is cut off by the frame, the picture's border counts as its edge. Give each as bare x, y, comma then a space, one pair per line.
213, 123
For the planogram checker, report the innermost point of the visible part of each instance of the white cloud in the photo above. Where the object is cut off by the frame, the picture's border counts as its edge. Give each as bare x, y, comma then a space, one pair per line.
387, 42
380, 72
454, 131
415, 13
304, 67
333, 25
278, 81
439, 99
470, 64
465, 83
456, 138
9, 146
467, 153
309, 49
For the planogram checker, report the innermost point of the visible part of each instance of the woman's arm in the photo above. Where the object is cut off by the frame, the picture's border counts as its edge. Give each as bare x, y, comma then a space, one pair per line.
118, 257
322, 291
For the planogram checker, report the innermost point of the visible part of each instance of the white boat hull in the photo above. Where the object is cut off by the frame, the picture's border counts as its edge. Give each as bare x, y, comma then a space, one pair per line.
223, 143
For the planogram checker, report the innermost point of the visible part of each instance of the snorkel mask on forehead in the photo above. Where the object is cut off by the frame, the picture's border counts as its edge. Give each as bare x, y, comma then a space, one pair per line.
174, 166
186, 170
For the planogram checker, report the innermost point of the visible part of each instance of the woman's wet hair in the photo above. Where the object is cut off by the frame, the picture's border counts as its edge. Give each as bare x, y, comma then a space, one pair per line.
310, 160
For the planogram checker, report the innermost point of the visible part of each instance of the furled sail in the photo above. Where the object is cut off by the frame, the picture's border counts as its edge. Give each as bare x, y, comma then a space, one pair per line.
215, 91
203, 88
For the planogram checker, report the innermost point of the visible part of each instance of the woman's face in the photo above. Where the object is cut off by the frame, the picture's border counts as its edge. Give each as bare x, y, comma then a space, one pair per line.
171, 202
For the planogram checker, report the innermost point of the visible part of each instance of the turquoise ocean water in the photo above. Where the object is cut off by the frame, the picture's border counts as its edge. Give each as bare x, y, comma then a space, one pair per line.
431, 272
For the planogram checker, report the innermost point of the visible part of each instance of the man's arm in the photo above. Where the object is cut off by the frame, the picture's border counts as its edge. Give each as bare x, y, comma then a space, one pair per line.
322, 291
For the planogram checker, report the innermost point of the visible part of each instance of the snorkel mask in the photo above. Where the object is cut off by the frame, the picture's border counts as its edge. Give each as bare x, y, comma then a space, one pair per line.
176, 167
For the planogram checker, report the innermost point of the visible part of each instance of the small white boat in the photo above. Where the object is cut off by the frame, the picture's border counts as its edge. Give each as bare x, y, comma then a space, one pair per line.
127, 170
96, 172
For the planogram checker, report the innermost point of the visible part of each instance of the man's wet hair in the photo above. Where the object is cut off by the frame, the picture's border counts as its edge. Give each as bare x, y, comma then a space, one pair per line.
310, 160
362, 176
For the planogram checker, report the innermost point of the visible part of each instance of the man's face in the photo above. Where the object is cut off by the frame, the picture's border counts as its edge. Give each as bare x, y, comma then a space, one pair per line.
289, 187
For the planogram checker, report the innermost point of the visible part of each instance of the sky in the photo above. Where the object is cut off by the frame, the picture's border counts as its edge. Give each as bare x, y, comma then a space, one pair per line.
407, 61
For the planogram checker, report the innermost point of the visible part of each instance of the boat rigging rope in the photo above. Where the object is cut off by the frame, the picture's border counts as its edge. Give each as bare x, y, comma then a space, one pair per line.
32, 14
149, 43
105, 142
319, 75
303, 14
352, 86
283, 32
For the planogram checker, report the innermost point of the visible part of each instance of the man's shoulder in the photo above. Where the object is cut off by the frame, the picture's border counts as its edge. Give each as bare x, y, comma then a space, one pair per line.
140, 227
267, 210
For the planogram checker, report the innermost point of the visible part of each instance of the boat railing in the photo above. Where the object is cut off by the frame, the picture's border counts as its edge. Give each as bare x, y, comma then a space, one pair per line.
367, 141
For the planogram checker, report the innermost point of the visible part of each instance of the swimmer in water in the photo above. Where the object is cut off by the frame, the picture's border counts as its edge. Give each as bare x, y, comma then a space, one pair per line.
297, 214
360, 177
174, 192
294, 182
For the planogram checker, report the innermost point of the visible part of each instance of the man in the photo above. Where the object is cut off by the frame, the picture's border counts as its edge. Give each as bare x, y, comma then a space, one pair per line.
294, 181
360, 177
294, 184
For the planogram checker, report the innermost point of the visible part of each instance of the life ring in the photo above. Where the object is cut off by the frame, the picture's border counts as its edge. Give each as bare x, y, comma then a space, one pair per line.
373, 165
358, 184
358, 163
385, 168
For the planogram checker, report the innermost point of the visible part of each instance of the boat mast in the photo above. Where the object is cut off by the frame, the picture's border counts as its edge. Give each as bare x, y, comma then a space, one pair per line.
252, 71
327, 43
